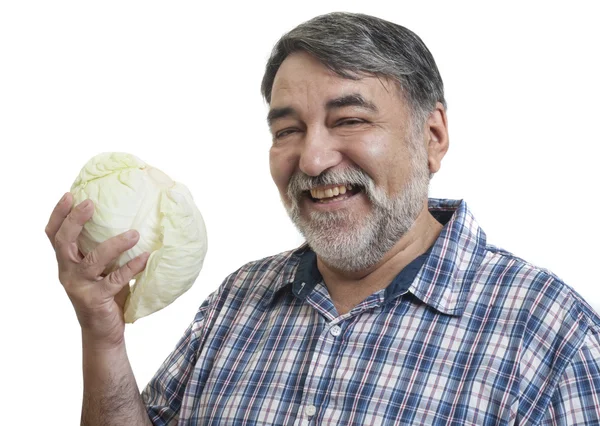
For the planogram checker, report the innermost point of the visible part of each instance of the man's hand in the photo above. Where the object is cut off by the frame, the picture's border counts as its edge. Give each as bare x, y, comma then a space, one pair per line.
98, 299
110, 393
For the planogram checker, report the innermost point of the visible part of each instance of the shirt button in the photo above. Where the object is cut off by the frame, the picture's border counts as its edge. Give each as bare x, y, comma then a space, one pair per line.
335, 330
310, 410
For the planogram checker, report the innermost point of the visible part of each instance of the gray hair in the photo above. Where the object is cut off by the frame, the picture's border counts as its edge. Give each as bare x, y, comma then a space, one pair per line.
355, 45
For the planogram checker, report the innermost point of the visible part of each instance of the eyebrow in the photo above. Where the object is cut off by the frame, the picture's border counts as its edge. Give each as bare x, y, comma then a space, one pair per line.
354, 99
277, 113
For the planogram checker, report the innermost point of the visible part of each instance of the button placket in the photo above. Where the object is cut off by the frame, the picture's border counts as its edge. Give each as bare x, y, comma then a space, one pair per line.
321, 359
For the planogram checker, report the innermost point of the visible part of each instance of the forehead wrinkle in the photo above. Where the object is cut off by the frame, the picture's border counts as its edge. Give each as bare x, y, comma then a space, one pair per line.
294, 98
285, 110
294, 91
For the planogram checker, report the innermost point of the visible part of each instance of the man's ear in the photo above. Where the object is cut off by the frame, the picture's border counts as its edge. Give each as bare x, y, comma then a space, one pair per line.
436, 134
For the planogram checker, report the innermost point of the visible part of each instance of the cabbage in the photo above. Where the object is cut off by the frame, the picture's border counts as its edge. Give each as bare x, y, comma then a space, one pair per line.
129, 194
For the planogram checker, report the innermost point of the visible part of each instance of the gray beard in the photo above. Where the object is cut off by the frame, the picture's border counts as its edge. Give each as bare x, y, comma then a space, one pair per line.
351, 243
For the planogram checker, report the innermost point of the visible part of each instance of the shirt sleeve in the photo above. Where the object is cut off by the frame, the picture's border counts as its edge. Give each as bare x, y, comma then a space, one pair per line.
163, 395
576, 400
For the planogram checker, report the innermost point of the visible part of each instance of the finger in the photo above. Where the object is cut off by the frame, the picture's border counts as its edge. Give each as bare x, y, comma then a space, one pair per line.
96, 261
58, 215
116, 280
65, 242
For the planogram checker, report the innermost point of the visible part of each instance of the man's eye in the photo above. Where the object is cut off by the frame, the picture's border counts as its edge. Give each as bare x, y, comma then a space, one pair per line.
350, 122
284, 133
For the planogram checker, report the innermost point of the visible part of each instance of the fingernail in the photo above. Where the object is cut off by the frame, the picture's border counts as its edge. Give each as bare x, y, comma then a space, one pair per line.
131, 234
85, 205
64, 197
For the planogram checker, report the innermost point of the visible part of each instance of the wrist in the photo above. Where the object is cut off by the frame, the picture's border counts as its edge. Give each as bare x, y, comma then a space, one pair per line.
91, 342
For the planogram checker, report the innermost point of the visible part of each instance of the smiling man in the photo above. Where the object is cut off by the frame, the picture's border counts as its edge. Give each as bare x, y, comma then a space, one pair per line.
396, 310
352, 167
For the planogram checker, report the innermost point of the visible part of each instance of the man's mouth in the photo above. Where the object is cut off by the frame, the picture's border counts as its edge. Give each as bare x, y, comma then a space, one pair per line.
331, 193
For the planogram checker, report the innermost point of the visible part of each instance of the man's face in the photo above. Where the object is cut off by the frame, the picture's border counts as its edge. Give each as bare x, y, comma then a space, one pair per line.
350, 170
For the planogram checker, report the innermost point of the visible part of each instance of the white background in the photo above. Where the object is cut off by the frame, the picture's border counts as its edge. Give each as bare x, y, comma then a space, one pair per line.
177, 84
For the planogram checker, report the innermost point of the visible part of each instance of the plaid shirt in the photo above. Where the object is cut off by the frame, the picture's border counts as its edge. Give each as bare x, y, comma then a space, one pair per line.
467, 334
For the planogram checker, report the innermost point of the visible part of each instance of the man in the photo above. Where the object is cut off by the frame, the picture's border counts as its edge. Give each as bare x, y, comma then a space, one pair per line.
395, 311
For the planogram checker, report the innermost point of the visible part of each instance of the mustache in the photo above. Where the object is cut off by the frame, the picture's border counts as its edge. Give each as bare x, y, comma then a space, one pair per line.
301, 182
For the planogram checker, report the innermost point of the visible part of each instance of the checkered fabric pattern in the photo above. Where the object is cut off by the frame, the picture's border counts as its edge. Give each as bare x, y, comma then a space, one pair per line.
467, 334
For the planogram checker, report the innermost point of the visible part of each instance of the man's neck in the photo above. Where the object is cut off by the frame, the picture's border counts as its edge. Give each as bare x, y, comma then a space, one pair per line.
348, 289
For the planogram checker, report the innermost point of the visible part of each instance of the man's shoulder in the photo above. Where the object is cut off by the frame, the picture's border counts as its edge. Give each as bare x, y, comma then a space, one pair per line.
552, 326
533, 288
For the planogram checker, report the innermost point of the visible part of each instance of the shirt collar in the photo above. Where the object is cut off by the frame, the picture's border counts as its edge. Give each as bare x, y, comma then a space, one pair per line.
308, 276
441, 277
444, 281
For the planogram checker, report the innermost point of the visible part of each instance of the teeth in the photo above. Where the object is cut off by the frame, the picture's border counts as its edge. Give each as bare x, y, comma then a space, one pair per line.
330, 192
317, 193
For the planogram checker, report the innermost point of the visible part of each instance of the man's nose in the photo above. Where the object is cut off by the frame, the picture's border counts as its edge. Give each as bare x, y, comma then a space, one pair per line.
319, 152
